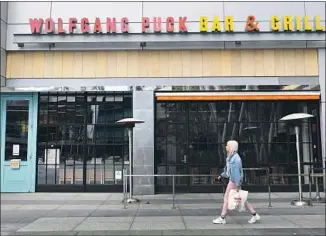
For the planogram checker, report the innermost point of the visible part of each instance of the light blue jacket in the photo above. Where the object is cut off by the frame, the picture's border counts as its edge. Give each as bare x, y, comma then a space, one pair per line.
236, 171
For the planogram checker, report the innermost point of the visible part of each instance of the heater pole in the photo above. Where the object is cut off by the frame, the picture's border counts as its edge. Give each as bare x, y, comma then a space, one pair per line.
130, 161
298, 161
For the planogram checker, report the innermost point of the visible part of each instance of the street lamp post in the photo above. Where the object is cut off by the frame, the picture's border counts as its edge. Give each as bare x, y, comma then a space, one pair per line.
296, 117
130, 124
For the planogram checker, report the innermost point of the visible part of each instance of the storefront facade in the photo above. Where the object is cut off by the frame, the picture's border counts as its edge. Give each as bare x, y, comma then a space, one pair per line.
197, 73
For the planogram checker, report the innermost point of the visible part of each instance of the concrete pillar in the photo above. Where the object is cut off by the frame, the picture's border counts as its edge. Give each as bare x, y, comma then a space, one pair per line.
306, 147
143, 163
3, 19
322, 82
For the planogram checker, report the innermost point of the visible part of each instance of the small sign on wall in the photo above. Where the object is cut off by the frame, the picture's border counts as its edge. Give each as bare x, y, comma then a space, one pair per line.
52, 157
118, 175
15, 149
15, 163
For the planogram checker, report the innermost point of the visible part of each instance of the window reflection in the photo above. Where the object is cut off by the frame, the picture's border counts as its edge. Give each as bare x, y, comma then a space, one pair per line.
200, 131
81, 128
16, 129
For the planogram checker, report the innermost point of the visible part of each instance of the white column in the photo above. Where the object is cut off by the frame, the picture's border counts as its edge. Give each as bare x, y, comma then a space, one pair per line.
3, 59
322, 77
143, 138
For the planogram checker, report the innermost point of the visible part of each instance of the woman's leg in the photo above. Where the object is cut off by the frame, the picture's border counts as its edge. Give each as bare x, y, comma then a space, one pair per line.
250, 208
255, 217
230, 186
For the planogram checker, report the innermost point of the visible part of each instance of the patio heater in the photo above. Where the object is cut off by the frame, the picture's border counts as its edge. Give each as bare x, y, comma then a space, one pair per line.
295, 119
130, 124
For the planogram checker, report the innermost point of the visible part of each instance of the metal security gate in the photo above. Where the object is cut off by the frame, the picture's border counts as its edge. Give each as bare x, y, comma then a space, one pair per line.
190, 138
80, 147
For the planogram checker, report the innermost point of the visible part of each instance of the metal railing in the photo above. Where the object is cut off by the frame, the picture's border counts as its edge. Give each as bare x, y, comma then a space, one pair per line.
310, 175
296, 175
173, 176
316, 176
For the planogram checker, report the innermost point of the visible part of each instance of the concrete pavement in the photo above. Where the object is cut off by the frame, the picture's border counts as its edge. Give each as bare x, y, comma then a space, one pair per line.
103, 214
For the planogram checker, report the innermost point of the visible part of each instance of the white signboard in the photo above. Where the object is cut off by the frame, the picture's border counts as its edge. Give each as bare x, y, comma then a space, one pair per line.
52, 156
118, 174
15, 150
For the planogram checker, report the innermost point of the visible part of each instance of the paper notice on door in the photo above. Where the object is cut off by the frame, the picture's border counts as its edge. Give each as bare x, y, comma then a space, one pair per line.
118, 174
15, 150
14, 163
52, 156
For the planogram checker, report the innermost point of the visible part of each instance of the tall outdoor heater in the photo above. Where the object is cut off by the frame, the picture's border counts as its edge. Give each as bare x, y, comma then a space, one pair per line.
130, 124
295, 119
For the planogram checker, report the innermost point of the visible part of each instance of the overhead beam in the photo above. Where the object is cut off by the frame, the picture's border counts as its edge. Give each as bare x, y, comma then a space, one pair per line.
188, 37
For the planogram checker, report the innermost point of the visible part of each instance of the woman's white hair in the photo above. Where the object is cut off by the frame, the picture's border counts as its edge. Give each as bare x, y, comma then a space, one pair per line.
233, 146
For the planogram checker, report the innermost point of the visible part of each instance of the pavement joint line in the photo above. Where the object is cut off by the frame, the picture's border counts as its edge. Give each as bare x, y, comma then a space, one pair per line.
54, 209
298, 225
182, 217
80, 223
89, 215
134, 217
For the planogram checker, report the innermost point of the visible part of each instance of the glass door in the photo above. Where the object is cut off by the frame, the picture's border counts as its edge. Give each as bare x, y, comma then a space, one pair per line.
187, 142
177, 155
18, 139
80, 147
171, 155
203, 147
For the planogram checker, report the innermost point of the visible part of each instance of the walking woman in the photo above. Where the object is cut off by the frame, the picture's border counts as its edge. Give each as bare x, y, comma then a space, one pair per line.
234, 172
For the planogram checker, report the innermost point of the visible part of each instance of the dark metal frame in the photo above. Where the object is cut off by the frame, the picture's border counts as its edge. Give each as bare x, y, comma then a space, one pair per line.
219, 187
96, 187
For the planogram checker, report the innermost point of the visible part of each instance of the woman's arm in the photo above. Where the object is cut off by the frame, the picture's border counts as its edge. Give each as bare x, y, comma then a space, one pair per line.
237, 172
223, 173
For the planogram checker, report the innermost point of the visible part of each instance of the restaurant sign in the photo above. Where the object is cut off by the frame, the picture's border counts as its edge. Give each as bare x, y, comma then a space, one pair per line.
171, 25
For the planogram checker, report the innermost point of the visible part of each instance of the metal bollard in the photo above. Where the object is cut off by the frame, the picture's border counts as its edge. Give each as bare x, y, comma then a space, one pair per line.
173, 192
124, 189
310, 179
317, 190
269, 189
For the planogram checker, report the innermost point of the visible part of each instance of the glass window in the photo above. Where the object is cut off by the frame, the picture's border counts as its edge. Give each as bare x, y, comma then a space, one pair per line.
198, 131
77, 129
17, 124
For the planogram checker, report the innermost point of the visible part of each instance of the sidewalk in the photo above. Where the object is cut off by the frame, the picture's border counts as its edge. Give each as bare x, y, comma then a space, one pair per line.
103, 214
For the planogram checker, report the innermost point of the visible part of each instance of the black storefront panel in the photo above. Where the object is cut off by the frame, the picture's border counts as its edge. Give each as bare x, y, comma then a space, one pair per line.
79, 145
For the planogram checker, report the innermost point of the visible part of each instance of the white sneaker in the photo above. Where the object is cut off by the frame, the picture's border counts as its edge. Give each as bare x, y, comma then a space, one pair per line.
219, 220
254, 219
